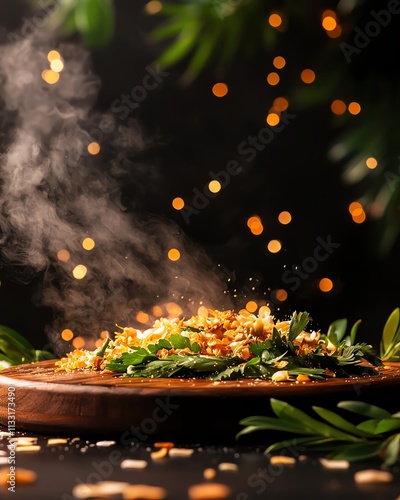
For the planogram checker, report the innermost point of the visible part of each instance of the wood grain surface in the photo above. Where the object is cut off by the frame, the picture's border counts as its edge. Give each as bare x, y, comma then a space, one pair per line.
177, 409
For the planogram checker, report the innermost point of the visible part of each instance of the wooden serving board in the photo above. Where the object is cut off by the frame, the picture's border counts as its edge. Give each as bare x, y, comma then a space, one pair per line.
179, 410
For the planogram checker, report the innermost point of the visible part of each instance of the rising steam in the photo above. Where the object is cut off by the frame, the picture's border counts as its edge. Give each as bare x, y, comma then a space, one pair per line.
54, 195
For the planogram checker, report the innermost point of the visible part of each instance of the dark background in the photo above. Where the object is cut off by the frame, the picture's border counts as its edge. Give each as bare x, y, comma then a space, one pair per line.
193, 133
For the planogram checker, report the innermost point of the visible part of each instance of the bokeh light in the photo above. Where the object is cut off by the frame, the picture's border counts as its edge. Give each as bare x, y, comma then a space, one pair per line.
279, 62
325, 285
174, 254
214, 186
273, 78
354, 108
275, 20
274, 246
79, 272
220, 89
307, 76
255, 225
63, 255
53, 55
280, 104
88, 244
285, 217
153, 7
338, 107
142, 317
329, 23
178, 203
78, 342
273, 119
251, 306
67, 334
94, 148
157, 311
57, 65
371, 162
281, 295
50, 76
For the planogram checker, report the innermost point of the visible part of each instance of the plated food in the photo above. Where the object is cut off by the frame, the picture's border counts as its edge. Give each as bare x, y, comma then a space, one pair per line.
226, 345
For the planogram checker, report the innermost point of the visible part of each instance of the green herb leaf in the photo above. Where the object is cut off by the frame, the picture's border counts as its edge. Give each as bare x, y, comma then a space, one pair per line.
339, 422
387, 424
353, 332
358, 451
392, 450
364, 409
297, 324
179, 341
101, 350
336, 331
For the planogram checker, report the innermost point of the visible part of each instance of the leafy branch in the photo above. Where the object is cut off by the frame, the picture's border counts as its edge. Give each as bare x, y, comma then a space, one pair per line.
15, 349
333, 434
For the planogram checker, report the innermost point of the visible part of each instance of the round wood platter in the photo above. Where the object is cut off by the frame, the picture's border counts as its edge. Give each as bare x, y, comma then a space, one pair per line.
179, 410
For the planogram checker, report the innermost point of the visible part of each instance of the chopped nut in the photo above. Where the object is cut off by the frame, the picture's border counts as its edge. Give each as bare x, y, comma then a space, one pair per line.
159, 454
143, 492
105, 444
22, 476
280, 376
28, 449
334, 464
303, 378
23, 441
227, 466
56, 441
209, 491
133, 464
98, 490
162, 444
180, 452
209, 473
368, 476
282, 460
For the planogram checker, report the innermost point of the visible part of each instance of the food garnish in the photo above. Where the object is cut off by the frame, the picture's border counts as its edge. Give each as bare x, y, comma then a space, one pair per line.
225, 345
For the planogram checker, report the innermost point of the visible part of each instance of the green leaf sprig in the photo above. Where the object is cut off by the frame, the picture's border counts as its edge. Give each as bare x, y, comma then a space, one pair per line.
332, 434
390, 343
16, 350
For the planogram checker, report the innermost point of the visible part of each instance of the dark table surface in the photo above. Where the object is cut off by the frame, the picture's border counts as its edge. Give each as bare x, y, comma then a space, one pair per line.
60, 467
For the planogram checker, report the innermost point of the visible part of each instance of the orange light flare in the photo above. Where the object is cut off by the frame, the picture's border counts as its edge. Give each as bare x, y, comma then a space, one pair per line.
214, 186
279, 62
285, 217
276, 20
79, 272
63, 255
78, 342
307, 76
173, 309
94, 148
142, 317
88, 244
220, 89
281, 295
57, 65
153, 7
274, 246
174, 254
273, 78
371, 163
273, 119
280, 104
251, 306
67, 334
336, 32
157, 311
178, 203
255, 225
338, 107
325, 285
51, 77
354, 108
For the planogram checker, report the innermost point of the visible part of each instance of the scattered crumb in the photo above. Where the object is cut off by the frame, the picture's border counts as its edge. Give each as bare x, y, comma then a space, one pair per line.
56, 441
28, 448
4, 434
105, 444
334, 464
143, 492
209, 491
368, 476
282, 460
209, 473
133, 464
75, 440
159, 454
23, 441
3, 460
99, 490
228, 466
302, 458
181, 452
22, 476
164, 444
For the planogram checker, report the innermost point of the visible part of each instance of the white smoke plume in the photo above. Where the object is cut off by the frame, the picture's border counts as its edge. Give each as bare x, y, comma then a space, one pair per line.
54, 195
